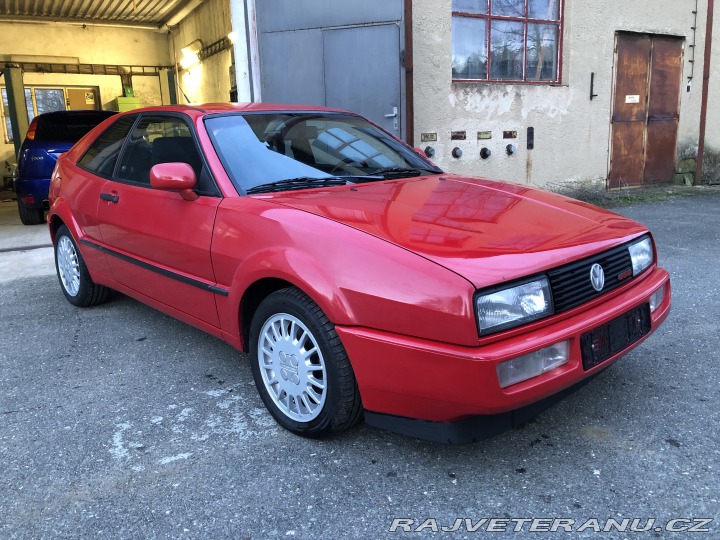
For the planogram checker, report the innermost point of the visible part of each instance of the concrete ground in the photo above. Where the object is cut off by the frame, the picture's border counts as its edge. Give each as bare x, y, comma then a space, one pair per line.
120, 422
25, 251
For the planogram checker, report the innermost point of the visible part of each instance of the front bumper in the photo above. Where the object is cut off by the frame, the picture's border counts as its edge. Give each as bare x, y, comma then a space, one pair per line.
405, 378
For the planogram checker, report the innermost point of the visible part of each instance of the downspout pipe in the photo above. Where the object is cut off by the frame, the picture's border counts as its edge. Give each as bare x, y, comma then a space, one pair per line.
705, 90
409, 78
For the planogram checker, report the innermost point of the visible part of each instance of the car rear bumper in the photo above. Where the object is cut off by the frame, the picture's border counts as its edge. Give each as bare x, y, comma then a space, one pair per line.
425, 385
32, 193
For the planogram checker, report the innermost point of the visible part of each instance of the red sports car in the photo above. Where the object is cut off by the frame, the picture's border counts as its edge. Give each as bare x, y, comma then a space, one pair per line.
362, 279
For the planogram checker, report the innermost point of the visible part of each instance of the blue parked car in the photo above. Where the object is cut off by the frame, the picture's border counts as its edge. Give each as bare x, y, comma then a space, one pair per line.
48, 136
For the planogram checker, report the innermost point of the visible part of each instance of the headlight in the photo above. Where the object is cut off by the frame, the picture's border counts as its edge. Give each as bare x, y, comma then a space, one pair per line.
641, 254
513, 306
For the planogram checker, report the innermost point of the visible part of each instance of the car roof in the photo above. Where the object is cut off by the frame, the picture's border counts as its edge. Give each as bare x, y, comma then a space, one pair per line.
219, 108
75, 112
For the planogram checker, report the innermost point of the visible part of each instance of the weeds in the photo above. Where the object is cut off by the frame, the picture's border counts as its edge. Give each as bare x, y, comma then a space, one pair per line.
596, 193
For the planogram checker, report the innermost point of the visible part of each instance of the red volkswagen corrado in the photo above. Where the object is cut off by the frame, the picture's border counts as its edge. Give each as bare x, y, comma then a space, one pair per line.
362, 279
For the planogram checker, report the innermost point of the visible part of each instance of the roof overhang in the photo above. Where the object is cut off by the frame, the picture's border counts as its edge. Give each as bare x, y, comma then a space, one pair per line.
158, 15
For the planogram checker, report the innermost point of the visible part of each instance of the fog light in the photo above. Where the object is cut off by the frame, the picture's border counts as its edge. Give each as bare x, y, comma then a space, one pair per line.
531, 365
657, 298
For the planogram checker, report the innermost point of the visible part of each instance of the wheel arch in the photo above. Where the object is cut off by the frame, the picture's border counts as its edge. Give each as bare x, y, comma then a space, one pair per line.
251, 300
54, 223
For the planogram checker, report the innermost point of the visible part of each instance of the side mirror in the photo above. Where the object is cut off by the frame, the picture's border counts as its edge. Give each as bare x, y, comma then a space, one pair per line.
178, 177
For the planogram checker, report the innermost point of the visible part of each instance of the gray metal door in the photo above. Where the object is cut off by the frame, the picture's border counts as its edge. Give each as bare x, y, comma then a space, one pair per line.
340, 54
362, 72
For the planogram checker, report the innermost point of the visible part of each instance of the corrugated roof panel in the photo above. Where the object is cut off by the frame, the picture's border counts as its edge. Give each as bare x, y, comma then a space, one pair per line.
152, 12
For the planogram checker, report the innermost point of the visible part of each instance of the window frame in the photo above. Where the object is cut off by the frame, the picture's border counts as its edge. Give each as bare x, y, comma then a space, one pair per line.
94, 142
213, 191
489, 18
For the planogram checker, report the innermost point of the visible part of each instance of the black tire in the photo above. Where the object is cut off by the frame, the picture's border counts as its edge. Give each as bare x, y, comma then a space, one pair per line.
341, 407
76, 283
30, 216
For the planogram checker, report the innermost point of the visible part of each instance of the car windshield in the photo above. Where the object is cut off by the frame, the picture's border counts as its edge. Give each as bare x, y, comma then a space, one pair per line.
264, 152
68, 127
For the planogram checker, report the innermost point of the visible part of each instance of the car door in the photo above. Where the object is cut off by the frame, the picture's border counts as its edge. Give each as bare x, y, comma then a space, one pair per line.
84, 181
157, 243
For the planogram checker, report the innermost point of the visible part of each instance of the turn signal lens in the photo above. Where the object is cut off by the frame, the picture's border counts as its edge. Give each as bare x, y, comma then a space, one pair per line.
657, 299
531, 365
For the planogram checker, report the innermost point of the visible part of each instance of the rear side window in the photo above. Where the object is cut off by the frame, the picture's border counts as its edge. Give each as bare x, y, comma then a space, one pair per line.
67, 127
102, 155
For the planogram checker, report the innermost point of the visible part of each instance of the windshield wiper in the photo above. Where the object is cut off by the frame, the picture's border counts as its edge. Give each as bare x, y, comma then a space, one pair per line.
402, 172
303, 182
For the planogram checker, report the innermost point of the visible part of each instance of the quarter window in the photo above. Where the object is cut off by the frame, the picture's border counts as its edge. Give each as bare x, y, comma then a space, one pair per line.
102, 155
506, 40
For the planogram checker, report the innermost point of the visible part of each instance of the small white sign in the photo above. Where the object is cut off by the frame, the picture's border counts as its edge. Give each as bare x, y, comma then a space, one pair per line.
89, 98
632, 99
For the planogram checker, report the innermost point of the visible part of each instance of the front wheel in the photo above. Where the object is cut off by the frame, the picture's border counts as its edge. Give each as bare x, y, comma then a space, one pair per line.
300, 367
75, 281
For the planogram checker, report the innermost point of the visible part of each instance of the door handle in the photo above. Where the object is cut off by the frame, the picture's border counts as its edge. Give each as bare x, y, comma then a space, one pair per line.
109, 197
393, 114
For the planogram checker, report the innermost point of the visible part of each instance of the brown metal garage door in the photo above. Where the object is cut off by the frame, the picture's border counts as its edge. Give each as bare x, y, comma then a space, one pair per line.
646, 109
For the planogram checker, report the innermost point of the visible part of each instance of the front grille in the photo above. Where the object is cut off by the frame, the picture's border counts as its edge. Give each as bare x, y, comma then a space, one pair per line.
571, 284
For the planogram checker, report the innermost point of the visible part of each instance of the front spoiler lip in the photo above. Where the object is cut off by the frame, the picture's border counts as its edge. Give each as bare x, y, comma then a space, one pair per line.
470, 430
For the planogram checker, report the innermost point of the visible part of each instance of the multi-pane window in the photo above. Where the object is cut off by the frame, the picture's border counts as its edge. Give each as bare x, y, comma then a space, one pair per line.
38, 101
506, 40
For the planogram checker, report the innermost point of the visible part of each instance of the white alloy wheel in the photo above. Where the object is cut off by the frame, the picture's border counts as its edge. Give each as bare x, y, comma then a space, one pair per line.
292, 367
68, 266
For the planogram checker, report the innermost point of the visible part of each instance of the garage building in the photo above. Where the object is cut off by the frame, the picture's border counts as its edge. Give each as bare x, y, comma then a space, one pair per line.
534, 91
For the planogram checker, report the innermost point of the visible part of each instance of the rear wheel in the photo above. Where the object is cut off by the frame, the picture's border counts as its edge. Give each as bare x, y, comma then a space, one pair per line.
30, 216
300, 367
75, 281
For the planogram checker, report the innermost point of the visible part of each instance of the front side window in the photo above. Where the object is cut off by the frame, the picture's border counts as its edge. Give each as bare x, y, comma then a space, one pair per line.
155, 140
506, 40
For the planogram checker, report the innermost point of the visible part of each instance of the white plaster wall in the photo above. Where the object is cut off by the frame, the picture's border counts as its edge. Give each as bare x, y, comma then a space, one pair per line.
92, 45
572, 132
209, 81
712, 134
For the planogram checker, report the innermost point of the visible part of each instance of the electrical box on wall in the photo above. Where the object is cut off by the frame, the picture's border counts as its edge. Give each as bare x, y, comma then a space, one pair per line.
122, 104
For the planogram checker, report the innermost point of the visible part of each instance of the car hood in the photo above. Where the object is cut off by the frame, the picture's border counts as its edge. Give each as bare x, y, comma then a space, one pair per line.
486, 231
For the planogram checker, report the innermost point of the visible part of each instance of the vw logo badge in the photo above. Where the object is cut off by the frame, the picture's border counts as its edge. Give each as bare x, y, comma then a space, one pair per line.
597, 277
